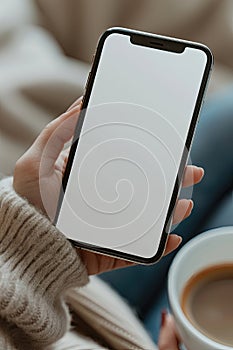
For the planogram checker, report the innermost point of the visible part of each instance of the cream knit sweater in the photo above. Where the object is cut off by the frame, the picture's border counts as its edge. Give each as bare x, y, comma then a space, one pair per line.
39, 270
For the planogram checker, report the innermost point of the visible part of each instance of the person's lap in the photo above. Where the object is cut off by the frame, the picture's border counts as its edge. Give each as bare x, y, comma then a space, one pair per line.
145, 286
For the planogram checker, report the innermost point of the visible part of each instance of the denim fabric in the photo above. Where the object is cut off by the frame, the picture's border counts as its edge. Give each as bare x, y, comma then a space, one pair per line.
145, 286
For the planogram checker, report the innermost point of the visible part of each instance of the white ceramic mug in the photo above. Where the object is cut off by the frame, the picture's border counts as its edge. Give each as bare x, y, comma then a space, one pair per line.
210, 248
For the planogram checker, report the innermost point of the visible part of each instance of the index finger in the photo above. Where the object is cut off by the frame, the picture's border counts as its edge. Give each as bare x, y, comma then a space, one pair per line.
75, 104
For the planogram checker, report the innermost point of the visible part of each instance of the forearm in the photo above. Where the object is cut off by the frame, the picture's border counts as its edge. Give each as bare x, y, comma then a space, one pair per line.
37, 265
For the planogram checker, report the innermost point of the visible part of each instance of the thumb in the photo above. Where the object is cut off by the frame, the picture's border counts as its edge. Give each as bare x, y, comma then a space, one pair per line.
168, 338
52, 139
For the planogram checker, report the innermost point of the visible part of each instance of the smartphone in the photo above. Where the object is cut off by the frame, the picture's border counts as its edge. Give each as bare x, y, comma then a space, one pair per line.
139, 112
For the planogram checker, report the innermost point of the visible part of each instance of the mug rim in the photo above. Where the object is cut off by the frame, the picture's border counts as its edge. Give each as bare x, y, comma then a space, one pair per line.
175, 304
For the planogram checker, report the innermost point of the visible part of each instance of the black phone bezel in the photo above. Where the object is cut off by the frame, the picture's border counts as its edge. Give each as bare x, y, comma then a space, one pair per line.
157, 42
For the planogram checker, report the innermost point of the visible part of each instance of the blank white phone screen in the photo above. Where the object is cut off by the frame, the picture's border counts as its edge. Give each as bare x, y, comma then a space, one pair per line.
130, 146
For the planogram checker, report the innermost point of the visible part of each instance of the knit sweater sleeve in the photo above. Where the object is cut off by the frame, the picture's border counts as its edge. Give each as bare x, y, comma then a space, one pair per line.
37, 266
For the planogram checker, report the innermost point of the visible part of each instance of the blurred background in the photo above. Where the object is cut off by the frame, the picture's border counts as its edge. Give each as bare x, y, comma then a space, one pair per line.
46, 48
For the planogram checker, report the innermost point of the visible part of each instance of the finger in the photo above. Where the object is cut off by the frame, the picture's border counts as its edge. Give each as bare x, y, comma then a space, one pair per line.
52, 139
183, 209
76, 103
60, 128
98, 263
168, 339
119, 263
62, 160
173, 242
109, 263
192, 175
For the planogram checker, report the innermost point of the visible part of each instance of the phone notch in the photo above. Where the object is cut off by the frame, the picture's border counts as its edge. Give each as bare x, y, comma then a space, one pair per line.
157, 42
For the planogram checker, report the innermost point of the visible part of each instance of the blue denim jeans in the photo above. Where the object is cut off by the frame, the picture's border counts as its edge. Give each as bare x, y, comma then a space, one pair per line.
145, 287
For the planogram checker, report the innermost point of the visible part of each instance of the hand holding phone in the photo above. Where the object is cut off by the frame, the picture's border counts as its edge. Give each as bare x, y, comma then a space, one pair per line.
40, 185
131, 144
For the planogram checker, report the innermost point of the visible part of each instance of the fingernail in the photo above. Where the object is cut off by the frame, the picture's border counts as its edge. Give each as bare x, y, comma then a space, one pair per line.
163, 317
200, 170
180, 239
191, 204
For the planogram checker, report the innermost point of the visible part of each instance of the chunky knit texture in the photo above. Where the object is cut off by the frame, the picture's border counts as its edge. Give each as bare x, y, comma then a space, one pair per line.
37, 265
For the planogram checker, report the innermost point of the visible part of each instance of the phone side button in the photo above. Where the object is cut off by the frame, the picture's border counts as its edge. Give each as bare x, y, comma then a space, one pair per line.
88, 78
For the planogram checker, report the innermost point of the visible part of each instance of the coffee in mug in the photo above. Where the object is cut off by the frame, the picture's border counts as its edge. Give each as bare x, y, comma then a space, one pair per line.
207, 302
206, 251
